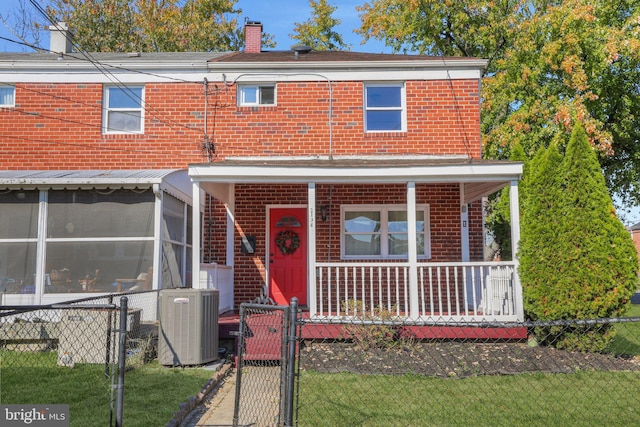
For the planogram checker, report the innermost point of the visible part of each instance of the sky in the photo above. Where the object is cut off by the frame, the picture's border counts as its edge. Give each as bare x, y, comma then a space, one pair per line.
278, 18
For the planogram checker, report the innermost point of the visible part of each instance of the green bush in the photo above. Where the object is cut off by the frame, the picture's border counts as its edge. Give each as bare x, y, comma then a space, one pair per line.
577, 261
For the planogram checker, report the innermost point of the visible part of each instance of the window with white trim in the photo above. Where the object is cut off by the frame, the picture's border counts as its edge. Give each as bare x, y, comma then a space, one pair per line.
7, 96
123, 109
255, 95
381, 232
384, 107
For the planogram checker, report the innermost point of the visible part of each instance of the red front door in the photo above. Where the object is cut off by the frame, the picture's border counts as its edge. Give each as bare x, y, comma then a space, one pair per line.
288, 255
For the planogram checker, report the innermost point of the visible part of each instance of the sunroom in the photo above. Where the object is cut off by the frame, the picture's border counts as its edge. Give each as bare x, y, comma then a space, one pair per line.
73, 234
351, 237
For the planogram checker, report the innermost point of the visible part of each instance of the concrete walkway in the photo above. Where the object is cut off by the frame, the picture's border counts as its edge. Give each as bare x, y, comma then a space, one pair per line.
217, 408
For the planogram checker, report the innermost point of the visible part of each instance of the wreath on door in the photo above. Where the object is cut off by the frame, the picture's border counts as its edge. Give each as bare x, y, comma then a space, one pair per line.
287, 241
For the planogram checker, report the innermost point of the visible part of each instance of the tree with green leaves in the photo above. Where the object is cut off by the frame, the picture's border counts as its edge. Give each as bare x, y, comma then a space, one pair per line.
577, 261
498, 210
318, 31
150, 25
550, 63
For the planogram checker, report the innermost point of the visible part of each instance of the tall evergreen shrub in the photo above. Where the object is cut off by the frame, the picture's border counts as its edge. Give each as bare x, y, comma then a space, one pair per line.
577, 260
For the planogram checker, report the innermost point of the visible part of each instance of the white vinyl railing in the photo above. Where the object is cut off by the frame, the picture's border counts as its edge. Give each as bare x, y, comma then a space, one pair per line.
220, 277
460, 291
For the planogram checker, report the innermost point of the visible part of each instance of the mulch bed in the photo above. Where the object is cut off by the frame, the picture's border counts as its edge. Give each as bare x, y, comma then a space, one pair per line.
456, 360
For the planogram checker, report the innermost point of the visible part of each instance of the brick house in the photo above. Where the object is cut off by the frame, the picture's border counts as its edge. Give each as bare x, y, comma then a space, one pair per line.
348, 180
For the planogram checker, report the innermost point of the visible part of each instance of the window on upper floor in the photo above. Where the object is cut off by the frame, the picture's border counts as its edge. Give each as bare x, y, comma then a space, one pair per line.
123, 109
254, 95
381, 232
384, 107
7, 96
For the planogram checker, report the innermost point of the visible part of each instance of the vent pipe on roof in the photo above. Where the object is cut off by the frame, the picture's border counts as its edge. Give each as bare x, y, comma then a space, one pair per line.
252, 36
301, 49
61, 39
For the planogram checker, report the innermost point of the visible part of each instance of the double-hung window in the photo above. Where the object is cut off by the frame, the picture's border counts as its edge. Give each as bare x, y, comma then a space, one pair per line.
123, 109
381, 232
255, 95
384, 107
7, 96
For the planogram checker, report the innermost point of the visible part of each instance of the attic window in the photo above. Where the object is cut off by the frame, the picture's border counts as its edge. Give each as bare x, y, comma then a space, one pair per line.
254, 95
7, 96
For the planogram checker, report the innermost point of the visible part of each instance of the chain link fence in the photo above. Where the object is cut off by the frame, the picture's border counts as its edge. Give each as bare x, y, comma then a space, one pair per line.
262, 365
374, 372
68, 353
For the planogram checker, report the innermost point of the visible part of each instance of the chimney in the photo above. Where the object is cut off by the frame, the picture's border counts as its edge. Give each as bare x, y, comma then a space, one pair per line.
252, 37
60, 38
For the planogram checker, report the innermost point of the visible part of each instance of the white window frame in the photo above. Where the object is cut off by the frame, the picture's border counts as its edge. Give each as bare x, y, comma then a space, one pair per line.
244, 88
402, 107
106, 110
384, 231
13, 98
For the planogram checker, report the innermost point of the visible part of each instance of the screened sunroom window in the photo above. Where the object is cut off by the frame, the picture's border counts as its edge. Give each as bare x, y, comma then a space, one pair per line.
18, 241
176, 245
371, 232
97, 236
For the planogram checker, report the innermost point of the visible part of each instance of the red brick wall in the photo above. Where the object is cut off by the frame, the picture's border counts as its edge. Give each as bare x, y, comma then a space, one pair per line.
251, 209
635, 235
442, 117
58, 126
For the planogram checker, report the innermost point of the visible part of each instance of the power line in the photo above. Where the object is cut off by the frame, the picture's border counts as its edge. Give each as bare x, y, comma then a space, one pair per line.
104, 70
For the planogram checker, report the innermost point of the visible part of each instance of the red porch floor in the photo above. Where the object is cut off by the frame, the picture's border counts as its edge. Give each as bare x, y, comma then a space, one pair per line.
229, 323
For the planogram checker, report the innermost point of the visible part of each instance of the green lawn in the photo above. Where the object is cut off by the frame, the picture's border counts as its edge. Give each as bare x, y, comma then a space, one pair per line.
152, 393
581, 399
627, 339
584, 398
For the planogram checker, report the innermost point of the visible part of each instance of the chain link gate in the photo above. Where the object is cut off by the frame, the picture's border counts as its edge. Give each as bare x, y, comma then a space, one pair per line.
265, 366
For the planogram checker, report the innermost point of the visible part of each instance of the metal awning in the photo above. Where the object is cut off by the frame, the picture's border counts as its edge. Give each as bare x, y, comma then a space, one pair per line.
173, 181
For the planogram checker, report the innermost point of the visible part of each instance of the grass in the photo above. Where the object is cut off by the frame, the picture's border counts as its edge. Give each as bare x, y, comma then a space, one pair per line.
153, 393
584, 398
580, 399
627, 338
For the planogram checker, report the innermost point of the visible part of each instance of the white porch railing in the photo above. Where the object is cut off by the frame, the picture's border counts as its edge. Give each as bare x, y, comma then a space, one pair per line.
220, 277
457, 291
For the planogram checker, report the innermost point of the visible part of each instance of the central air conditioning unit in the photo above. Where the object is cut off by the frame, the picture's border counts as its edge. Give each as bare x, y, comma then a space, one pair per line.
188, 333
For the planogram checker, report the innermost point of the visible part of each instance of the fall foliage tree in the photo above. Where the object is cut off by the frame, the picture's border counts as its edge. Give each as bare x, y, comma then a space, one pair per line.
318, 31
552, 64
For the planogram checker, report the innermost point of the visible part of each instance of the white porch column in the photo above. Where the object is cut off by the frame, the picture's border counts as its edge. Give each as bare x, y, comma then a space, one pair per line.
230, 206
196, 238
412, 251
464, 225
514, 205
311, 248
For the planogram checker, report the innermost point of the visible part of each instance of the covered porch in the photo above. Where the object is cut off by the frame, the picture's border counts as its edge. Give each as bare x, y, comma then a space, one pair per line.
437, 275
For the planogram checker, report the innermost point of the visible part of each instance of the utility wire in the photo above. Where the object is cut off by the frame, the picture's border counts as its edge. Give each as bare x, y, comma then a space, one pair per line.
105, 71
